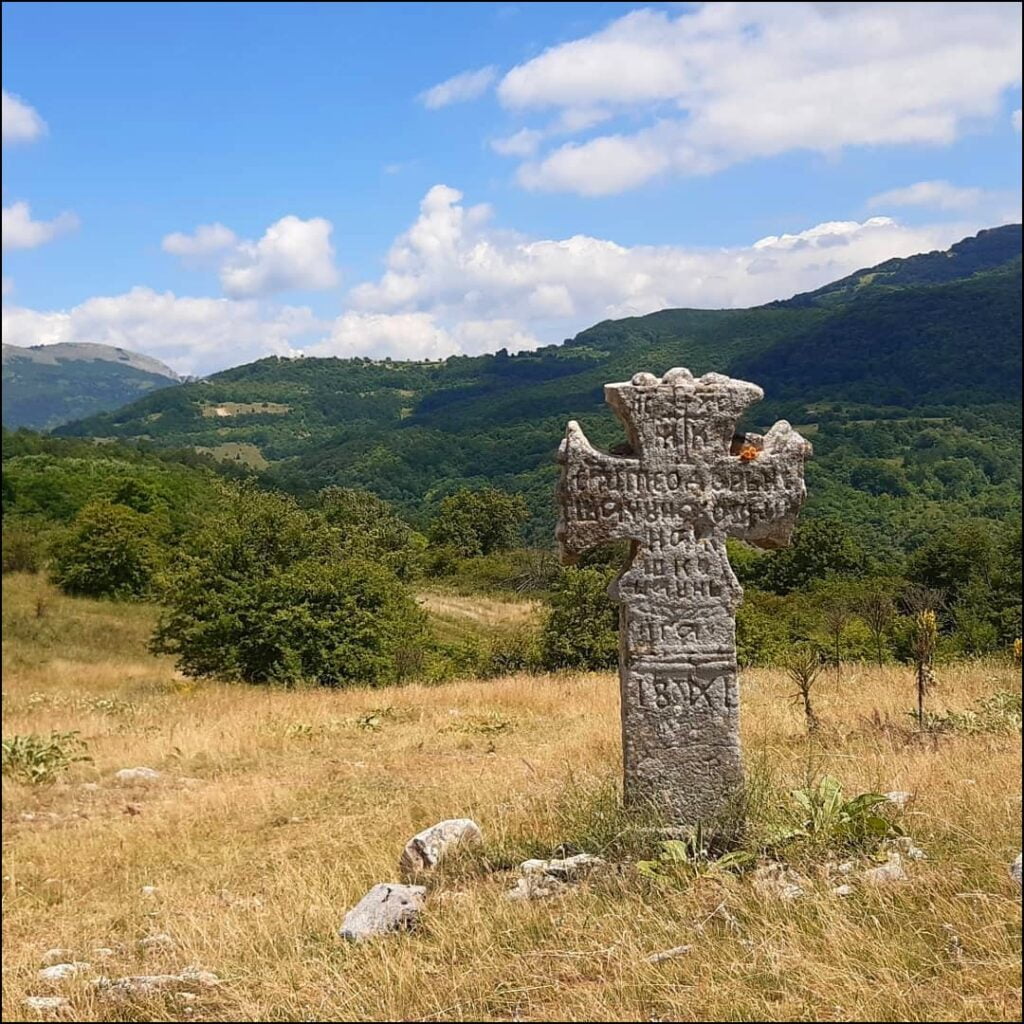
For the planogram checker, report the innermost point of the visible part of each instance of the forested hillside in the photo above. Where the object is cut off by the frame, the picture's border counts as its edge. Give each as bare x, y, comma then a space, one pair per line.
906, 376
47, 385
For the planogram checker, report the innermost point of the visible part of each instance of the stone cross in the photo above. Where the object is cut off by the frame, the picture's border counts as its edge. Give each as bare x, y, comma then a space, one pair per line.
688, 483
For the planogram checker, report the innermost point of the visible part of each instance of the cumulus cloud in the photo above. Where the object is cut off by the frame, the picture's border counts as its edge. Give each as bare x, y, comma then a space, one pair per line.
939, 194
21, 122
20, 231
455, 282
1015, 119
293, 255
208, 240
728, 82
459, 88
193, 335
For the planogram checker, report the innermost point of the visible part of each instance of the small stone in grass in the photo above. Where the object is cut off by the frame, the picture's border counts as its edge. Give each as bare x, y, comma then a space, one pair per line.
427, 848
57, 956
899, 798
149, 890
159, 941
61, 972
1015, 870
45, 1004
888, 873
140, 774
669, 954
385, 908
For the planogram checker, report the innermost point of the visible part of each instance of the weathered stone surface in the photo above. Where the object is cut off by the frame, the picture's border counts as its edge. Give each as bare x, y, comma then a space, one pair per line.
57, 956
61, 972
678, 497
542, 878
776, 881
190, 979
1015, 869
669, 954
137, 775
427, 848
385, 908
899, 798
45, 1004
888, 873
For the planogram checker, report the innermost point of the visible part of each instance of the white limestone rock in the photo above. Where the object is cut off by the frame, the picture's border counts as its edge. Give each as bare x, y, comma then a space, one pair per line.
57, 973
426, 849
890, 872
543, 878
387, 907
56, 956
45, 1004
139, 775
669, 954
899, 798
776, 881
1015, 870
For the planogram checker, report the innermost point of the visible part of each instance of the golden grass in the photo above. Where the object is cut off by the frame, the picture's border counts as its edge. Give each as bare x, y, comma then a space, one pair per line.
278, 810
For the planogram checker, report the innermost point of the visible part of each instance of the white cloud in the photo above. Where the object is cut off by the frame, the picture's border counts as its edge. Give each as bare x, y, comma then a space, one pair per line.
728, 82
21, 122
292, 255
8, 285
1015, 119
20, 231
206, 242
193, 335
459, 88
939, 194
456, 283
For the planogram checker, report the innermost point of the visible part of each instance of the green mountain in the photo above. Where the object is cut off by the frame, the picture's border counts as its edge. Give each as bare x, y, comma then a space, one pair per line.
906, 375
46, 385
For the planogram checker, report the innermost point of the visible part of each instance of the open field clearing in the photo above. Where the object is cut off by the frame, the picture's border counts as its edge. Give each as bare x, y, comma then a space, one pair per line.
276, 810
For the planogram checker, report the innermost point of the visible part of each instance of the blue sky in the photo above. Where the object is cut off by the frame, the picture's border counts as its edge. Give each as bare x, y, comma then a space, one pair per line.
209, 183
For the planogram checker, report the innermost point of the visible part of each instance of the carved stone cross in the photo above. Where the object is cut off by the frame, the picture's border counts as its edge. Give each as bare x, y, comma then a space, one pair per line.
684, 489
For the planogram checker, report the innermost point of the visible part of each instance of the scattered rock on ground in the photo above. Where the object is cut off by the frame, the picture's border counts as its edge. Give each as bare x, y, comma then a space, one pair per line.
56, 956
387, 907
1015, 869
843, 890
777, 881
144, 984
61, 972
886, 874
899, 798
148, 890
426, 849
669, 954
908, 848
45, 1004
159, 941
103, 953
140, 774
543, 878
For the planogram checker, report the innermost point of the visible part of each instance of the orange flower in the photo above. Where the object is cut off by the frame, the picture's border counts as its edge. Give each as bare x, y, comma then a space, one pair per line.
748, 453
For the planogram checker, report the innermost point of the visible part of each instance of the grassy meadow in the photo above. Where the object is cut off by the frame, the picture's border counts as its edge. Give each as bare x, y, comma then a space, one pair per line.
277, 809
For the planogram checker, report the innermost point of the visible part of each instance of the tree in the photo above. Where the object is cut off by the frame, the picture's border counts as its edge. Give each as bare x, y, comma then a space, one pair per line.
582, 627
479, 522
821, 549
109, 550
877, 609
268, 594
369, 528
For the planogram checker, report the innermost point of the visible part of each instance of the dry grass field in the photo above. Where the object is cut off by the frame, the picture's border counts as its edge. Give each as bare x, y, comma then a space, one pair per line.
276, 810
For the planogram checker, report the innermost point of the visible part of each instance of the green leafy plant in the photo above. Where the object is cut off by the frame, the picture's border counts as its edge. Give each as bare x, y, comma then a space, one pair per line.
682, 859
37, 759
999, 712
830, 819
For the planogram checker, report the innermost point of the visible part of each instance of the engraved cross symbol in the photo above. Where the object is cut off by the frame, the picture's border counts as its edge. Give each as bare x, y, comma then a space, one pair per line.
677, 497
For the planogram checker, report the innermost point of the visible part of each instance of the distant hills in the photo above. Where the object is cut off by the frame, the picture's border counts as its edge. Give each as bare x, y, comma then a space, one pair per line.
894, 351
46, 385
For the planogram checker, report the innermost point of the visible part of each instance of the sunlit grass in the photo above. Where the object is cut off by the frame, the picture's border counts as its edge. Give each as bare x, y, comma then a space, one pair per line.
278, 809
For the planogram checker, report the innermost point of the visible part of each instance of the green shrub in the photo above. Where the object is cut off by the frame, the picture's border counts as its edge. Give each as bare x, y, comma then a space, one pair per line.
37, 759
267, 595
479, 522
582, 627
23, 548
509, 651
109, 550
